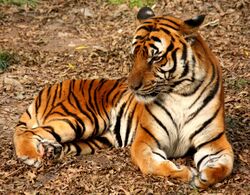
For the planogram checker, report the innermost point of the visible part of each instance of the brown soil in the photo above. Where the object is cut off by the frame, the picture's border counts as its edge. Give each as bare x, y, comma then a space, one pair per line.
60, 40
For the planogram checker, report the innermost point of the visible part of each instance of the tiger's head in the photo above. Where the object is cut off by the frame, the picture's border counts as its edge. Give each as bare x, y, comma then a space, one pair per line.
163, 57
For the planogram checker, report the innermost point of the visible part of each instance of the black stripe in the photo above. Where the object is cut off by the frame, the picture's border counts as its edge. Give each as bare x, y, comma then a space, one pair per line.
186, 69
78, 132
208, 98
92, 149
148, 28
79, 107
159, 155
20, 123
44, 115
194, 89
111, 90
59, 113
173, 56
72, 85
94, 143
139, 37
167, 112
54, 97
151, 135
81, 85
169, 26
205, 124
104, 108
205, 88
117, 129
210, 141
51, 130
66, 145
184, 52
154, 47
75, 129
208, 155
101, 84
96, 102
178, 82
129, 100
212, 93
156, 39
129, 122
27, 111
96, 124
52, 104
60, 90
78, 148
157, 120
165, 31
38, 100
33, 133
104, 141
90, 96
117, 96
167, 19
205, 101
185, 63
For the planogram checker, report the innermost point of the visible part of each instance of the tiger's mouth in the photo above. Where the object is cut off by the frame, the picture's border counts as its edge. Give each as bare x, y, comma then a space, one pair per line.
146, 98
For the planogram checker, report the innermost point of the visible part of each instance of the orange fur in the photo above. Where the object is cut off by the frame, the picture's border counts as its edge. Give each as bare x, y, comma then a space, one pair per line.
171, 102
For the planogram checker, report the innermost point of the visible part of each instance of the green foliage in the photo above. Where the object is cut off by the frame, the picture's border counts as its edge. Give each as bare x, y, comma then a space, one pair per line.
133, 3
19, 2
238, 83
5, 59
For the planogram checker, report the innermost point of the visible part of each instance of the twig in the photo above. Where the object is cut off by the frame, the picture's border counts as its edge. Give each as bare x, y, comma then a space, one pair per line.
212, 23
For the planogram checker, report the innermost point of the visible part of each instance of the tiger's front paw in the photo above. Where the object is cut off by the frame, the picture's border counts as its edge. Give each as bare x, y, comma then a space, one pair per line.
32, 151
51, 149
205, 178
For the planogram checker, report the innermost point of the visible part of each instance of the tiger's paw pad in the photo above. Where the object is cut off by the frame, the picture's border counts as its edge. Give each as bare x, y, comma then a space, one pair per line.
50, 149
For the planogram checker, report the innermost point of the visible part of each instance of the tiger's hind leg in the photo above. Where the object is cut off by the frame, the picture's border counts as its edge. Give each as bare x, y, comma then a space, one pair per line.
32, 144
214, 162
54, 141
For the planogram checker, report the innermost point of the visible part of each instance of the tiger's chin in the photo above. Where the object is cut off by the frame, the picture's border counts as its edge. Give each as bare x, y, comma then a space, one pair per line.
146, 99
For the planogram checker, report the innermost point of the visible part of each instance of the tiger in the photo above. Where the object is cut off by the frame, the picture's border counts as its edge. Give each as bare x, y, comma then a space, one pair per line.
171, 102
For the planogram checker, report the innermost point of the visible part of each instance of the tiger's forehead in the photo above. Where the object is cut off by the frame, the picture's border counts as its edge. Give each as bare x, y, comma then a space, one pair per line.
164, 27
155, 23
157, 32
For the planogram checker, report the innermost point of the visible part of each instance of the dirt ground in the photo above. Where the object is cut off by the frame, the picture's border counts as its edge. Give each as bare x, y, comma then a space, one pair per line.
65, 39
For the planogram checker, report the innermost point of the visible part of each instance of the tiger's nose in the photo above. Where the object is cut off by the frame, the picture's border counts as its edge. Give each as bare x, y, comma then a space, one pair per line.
135, 82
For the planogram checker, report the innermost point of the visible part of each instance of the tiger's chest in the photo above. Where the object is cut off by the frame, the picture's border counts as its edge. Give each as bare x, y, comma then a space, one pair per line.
170, 124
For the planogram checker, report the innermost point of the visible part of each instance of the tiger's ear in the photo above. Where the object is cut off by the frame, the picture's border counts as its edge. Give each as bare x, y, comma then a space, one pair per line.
145, 13
191, 25
195, 22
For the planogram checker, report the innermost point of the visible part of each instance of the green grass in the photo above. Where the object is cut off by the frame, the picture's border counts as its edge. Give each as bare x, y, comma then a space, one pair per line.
238, 84
19, 2
5, 59
133, 3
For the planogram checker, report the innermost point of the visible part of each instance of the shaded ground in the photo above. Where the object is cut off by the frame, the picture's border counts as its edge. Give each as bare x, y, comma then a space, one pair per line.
81, 39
